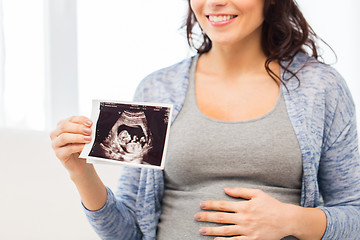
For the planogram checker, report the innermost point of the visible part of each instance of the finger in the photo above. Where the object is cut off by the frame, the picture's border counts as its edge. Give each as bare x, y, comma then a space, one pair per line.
232, 230
70, 127
232, 238
81, 120
216, 217
66, 151
224, 206
70, 138
246, 193
77, 119
74, 119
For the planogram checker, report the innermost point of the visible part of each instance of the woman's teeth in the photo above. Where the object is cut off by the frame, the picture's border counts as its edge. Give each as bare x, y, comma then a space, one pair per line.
221, 18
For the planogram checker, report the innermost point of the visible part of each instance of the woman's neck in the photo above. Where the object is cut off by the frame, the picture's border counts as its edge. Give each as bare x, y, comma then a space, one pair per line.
235, 61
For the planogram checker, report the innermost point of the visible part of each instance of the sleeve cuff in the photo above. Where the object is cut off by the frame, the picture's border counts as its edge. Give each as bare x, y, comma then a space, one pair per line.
328, 224
343, 222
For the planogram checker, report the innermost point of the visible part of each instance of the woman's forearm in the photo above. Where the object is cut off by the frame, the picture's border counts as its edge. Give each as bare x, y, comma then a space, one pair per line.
306, 223
92, 191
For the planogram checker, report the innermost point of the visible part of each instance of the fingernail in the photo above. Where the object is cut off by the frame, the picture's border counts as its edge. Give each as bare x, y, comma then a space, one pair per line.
197, 216
87, 131
203, 205
88, 122
202, 231
228, 189
87, 138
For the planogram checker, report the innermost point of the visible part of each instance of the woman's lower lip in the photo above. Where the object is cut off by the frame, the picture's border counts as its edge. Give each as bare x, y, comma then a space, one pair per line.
222, 23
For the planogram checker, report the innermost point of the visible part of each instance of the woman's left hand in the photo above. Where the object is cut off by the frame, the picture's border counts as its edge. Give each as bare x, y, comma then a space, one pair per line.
261, 217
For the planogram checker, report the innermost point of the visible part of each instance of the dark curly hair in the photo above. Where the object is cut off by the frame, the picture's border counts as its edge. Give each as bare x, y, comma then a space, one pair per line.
285, 32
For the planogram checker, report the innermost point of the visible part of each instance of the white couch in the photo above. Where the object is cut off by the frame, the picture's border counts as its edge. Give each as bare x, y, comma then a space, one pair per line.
38, 201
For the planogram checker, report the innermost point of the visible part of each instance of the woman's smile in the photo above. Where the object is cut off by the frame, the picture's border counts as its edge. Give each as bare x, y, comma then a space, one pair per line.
221, 19
229, 23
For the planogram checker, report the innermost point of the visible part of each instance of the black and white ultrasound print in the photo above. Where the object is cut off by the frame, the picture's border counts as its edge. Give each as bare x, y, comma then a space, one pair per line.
129, 133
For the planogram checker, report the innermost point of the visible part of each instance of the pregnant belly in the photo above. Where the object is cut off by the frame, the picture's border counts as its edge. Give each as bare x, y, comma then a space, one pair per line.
178, 210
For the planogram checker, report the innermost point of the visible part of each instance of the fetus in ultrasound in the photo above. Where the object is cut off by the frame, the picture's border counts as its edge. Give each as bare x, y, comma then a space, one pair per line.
129, 139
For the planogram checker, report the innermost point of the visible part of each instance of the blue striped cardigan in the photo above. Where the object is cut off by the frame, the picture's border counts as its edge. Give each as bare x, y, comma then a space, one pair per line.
322, 113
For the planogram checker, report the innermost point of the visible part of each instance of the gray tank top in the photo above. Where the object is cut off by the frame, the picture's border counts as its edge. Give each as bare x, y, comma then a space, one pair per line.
206, 155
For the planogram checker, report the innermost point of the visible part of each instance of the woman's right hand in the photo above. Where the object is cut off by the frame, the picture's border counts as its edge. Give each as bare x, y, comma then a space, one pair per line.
68, 140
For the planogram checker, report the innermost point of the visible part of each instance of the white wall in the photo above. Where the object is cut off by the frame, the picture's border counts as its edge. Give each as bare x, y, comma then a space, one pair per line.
24, 101
60, 60
120, 42
337, 22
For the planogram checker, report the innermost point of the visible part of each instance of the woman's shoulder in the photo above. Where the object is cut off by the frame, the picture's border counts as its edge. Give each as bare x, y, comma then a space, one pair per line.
168, 73
318, 80
317, 75
164, 81
322, 86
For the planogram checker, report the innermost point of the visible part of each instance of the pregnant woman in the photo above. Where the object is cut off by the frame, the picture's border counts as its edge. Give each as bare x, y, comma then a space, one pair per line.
263, 143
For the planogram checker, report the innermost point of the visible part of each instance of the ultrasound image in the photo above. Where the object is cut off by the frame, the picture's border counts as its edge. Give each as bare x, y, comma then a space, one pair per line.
129, 139
131, 133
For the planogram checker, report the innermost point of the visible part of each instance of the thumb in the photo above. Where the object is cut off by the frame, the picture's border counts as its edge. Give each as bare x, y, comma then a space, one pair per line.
246, 193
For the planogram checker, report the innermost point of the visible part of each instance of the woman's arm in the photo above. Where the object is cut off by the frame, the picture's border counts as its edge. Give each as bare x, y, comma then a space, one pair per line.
308, 223
110, 218
339, 169
339, 181
92, 191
